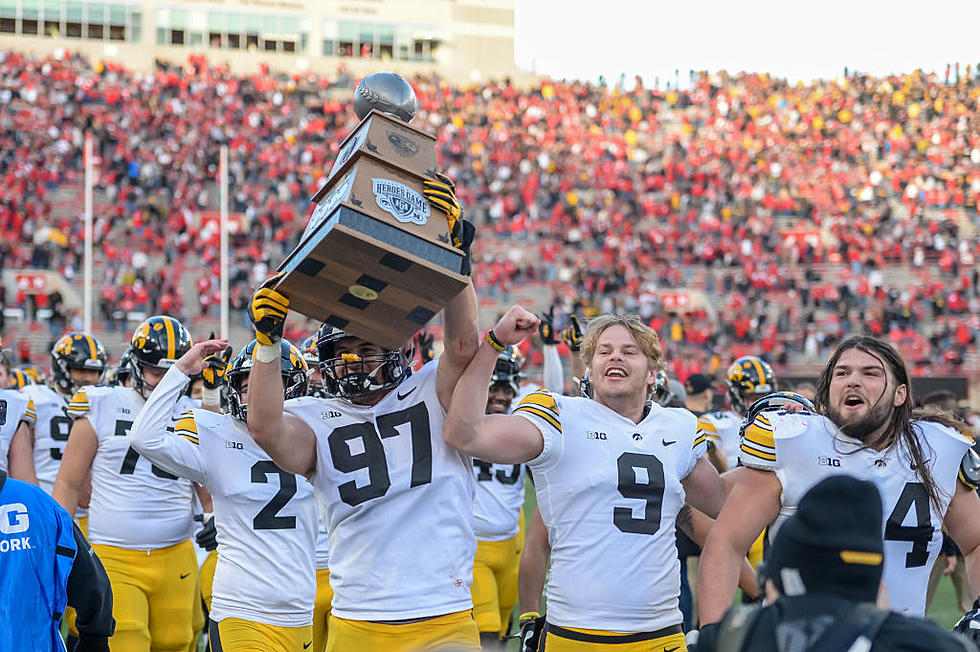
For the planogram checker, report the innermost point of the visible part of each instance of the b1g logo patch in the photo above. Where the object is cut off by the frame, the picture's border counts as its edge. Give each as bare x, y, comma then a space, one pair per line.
400, 201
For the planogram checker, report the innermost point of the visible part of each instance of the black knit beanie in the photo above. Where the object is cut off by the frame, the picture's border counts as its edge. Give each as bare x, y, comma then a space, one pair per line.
833, 544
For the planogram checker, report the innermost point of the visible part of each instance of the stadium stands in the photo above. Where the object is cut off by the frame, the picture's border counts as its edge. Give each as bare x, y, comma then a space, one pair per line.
741, 215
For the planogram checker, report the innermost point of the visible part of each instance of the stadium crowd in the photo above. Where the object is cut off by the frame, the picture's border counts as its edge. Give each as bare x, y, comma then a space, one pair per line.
788, 207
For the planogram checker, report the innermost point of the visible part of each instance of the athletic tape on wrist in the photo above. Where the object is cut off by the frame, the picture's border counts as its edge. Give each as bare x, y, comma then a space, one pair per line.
211, 396
266, 352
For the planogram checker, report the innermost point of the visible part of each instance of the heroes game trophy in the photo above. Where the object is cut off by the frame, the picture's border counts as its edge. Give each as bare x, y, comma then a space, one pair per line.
376, 259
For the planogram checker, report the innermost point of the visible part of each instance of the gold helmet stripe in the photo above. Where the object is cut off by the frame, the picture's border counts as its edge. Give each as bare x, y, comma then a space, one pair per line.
758, 368
93, 350
171, 338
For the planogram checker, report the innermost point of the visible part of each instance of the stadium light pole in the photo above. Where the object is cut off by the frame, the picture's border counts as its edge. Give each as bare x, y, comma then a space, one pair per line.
223, 237
87, 255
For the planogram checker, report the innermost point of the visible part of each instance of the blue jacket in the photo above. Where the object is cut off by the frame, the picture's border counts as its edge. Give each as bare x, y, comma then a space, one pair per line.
37, 548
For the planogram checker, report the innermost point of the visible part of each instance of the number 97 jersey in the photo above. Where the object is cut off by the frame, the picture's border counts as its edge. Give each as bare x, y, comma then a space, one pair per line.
397, 503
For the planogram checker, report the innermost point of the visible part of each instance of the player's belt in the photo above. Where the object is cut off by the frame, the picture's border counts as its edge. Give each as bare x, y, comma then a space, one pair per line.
610, 639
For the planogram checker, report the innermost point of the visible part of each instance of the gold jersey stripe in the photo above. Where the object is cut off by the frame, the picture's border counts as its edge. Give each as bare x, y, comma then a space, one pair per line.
763, 421
760, 437
706, 425
190, 438
757, 453
542, 400
186, 424
555, 423
762, 449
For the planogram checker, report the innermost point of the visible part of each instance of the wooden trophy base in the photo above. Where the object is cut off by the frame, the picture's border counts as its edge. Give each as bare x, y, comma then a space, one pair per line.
375, 259
369, 278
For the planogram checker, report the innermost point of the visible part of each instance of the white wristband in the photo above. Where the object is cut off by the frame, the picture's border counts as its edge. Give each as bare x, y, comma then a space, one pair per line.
211, 396
266, 352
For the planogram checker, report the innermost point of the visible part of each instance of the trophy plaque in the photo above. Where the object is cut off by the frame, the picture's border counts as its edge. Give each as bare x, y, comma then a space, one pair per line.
375, 259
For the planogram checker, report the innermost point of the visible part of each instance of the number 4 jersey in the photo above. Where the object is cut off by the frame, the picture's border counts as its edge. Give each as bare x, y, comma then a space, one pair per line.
803, 449
134, 504
397, 502
609, 491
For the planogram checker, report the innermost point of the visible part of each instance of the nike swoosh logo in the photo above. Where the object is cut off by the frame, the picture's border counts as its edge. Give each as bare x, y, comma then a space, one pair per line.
402, 397
183, 575
668, 443
306, 645
673, 649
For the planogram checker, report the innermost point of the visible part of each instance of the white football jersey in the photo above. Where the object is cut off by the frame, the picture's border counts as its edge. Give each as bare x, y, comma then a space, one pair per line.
15, 407
498, 501
397, 502
526, 388
722, 428
135, 504
609, 491
803, 449
50, 432
266, 518
322, 545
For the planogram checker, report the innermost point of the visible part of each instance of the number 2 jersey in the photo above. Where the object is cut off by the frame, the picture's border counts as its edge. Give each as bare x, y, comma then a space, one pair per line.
266, 518
15, 407
609, 491
397, 503
802, 449
134, 504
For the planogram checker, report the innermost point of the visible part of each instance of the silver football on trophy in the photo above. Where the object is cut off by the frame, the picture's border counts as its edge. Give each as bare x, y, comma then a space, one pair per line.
385, 92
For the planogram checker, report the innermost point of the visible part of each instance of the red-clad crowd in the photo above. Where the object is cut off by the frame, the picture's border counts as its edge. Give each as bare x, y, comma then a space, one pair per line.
743, 214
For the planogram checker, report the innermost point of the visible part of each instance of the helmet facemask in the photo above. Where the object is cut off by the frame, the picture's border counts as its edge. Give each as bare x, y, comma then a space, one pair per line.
293, 369
76, 351
363, 375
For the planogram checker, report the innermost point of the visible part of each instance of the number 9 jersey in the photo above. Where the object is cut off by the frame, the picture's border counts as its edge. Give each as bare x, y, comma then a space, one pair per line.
50, 434
396, 500
803, 448
609, 491
134, 504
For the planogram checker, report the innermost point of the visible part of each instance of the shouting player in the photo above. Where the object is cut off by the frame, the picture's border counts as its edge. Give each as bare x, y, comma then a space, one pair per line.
611, 473
865, 428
